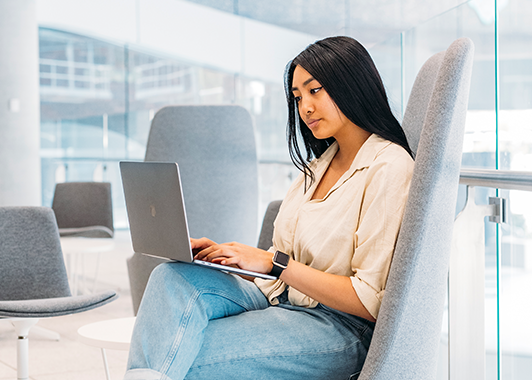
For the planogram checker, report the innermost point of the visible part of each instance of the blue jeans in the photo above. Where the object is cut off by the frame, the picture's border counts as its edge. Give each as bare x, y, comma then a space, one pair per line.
200, 323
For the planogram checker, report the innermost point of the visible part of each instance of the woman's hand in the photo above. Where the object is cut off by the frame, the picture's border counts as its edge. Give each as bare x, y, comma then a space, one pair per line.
198, 245
234, 254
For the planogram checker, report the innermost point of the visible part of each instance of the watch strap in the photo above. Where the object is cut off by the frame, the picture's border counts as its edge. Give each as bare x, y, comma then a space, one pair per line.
276, 271
280, 262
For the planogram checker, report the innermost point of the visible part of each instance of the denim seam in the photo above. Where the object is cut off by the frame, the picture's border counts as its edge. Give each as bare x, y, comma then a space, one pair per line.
170, 357
180, 333
363, 332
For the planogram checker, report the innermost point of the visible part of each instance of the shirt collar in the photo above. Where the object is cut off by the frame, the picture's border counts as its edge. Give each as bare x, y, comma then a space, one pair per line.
365, 156
368, 152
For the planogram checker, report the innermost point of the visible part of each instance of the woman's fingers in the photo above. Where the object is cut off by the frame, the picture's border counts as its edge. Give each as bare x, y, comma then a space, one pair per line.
198, 245
214, 252
229, 261
236, 254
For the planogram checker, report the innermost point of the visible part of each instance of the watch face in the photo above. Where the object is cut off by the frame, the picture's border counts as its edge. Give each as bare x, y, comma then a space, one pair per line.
281, 258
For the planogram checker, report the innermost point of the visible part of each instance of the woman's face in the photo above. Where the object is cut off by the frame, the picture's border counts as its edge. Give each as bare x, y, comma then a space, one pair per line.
315, 106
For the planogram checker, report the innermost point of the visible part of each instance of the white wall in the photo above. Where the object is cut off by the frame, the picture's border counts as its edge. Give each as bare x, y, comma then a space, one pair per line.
20, 167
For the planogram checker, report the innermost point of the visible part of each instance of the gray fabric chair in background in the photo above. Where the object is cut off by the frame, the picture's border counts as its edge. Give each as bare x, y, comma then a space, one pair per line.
84, 209
407, 333
266, 231
33, 279
214, 147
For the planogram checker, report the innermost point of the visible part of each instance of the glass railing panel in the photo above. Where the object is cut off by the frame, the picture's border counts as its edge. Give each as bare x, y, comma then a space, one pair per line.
470, 323
467, 287
506, 310
515, 307
515, 153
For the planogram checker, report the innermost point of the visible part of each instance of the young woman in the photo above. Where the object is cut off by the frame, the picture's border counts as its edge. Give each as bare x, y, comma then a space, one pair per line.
332, 246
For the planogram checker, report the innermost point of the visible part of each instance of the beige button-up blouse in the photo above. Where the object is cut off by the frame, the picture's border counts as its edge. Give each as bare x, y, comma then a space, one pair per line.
353, 230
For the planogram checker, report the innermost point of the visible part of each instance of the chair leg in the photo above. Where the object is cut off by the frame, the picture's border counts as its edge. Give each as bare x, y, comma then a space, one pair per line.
22, 328
46, 333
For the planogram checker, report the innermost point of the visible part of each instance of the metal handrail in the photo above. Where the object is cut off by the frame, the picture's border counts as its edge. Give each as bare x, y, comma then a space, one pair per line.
500, 179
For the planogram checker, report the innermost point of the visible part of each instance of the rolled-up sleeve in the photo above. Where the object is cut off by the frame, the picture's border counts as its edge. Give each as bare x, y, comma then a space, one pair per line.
381, 214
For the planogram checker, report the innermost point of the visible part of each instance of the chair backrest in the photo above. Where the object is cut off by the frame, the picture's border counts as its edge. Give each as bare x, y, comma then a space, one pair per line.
407, 333
32, 265
266, 231
215, 149
78, 206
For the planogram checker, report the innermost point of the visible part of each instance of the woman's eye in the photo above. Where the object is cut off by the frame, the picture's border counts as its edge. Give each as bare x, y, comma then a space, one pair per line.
297, 98
314, 90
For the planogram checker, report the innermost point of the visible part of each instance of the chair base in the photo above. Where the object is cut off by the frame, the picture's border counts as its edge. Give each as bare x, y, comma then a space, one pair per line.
22, 328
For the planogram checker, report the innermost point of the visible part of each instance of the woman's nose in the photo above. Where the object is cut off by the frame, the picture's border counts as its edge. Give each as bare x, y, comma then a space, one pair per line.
305, 107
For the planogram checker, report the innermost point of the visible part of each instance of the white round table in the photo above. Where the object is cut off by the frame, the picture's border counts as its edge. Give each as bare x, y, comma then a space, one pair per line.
113, 334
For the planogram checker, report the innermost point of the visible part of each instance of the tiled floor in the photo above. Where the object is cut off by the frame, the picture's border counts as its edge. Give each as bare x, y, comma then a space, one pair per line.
68, 359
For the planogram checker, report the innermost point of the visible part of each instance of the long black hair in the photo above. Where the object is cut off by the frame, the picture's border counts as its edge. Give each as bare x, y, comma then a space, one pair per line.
347, 73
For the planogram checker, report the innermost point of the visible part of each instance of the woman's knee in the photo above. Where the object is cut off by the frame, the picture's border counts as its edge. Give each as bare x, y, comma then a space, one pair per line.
178, 274
165, 277
169, 270
162, 270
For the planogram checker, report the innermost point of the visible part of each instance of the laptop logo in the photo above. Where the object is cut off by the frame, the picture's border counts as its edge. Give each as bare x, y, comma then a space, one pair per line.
152, 209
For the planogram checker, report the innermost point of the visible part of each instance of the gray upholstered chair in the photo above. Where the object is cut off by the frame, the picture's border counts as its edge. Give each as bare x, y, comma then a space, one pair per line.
84, 209
407, 333
33, 279
215, 149
266, 231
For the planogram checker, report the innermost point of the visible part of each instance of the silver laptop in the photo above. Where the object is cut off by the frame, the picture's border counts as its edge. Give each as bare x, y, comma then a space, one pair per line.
157, 216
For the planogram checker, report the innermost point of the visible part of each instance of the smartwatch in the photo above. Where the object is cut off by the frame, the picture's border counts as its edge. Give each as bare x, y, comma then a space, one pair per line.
280, 262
